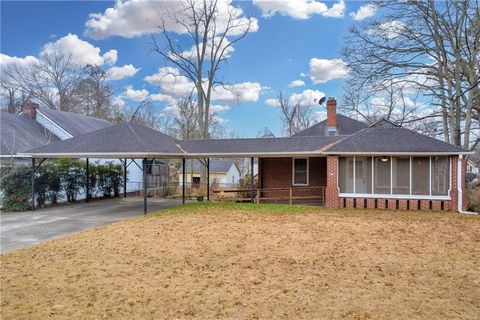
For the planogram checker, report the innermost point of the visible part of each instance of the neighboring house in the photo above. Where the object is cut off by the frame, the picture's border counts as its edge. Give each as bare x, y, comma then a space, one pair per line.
338, 163
35, 127
222, 173
472, 166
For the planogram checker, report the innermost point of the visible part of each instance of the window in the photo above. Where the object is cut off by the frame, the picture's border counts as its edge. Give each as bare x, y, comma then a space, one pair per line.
300, 172
382, 175
440, 176
403, 176
421, 175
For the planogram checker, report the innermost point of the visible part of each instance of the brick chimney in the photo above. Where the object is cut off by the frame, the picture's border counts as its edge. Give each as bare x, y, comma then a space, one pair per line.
331, 117
29, 109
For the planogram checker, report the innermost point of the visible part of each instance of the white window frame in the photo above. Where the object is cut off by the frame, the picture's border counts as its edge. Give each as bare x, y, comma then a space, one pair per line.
396, 196
293, 173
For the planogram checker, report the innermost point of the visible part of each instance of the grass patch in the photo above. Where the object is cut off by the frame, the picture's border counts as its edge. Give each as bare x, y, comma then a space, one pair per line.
253, 261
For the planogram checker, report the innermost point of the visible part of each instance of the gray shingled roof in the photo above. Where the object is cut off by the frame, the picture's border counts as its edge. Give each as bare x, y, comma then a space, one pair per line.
216, 166
257, 146
391, 139
345, 126
118, 140
21, 133
74, 123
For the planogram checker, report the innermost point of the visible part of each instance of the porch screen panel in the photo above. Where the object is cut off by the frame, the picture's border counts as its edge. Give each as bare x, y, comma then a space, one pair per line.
421, 175
401, 175
440, 176
382, 175
300, 171
345, 174
363, 174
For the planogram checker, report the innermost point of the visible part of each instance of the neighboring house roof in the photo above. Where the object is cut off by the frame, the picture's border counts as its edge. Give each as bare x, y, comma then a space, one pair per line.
391, 139
119, 140
75, 124
21, 133
216, 166
345, 126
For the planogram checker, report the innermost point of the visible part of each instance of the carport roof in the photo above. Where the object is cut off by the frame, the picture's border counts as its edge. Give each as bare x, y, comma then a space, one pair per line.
122, 140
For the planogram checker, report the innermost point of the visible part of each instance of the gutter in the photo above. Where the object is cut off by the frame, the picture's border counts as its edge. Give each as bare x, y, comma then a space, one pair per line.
460, 189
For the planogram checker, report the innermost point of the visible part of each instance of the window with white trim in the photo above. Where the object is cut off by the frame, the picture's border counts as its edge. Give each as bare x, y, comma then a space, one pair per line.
396, 176
300, 172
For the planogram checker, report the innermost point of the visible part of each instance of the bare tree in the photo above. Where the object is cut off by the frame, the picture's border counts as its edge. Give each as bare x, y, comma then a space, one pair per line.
427, 47
265, 133
213, 31
295, 117
185, 121
92, 94
51, 81
144, 113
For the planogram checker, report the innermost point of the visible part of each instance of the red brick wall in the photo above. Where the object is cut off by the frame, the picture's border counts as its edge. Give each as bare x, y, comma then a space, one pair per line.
331, 192
277, 173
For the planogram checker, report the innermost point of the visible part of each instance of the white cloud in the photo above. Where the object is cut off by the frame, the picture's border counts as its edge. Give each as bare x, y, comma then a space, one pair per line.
219, 108
272, 102
80, 51
110, 57
364, 12
171, 82
236, 93
169, 100
117, 73
300, 9
323, 70
135, 95
192, 53
296, 83
306, 98
132, 18
8, 61
391, 29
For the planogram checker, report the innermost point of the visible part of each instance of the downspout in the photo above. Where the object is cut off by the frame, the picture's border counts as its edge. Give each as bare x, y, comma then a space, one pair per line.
459, 187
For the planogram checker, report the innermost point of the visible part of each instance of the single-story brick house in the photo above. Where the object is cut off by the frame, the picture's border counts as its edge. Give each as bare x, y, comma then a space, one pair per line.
339, 162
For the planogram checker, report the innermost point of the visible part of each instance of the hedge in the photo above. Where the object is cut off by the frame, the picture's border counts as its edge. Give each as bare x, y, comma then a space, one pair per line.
54, 180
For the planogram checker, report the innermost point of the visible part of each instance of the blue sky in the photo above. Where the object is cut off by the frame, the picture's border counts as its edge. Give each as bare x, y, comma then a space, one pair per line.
268, 60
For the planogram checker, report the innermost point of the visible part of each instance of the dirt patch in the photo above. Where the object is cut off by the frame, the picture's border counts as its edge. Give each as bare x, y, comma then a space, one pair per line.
231, 262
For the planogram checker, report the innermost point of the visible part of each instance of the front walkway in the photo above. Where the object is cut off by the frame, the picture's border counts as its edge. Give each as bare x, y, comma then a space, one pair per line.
23, 229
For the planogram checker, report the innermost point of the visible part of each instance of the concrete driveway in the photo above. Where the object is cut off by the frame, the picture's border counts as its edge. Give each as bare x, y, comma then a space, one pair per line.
23, 229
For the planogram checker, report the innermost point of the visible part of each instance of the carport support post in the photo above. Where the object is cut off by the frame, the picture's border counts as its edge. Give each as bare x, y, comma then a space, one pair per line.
87, 181
33, 184
183, 181
208, 179
251, 180
125, 178
144, 167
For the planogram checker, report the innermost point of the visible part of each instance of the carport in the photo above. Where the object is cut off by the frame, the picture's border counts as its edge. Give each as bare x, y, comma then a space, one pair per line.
130, 143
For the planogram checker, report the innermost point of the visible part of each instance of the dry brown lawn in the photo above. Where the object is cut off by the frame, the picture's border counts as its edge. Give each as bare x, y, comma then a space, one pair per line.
246, 262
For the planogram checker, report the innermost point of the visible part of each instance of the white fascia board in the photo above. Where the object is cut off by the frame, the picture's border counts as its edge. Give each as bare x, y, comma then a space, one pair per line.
168, 155
55, 124
393, 196
398, 153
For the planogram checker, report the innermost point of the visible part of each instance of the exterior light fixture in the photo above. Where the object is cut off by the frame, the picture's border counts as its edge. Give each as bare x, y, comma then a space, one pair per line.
385, 159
